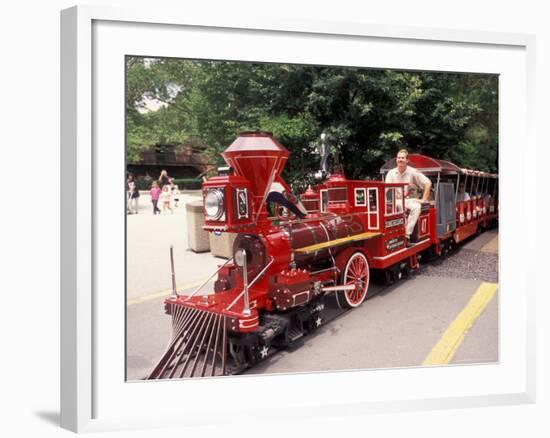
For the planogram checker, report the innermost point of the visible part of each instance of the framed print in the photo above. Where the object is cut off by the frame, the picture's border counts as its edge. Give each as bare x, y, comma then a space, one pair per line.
96, 391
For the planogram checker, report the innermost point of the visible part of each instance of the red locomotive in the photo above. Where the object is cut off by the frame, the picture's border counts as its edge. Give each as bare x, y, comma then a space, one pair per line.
330, 241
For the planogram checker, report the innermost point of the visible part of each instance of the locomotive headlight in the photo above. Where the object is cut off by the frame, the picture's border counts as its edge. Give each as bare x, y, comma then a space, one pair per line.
213, 204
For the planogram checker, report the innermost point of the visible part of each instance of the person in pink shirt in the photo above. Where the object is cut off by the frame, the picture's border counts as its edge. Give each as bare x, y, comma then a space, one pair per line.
155, 194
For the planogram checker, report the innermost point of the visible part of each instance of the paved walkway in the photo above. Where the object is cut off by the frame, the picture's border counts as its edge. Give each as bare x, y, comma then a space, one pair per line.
491, 246
148, 250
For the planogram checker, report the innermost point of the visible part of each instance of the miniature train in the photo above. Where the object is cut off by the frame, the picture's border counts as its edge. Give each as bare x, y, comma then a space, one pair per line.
329, 241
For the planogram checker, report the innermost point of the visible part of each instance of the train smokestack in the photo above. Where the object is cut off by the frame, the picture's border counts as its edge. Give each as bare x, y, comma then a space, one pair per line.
257, 156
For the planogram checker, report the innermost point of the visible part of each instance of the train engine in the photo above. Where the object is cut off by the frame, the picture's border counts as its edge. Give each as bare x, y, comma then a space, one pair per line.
271, 292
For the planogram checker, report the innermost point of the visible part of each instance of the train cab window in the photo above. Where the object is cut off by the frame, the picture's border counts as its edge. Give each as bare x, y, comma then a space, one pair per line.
374, 222
390, 201
399, 202
373, 200
324, 200
394, 200
360, 197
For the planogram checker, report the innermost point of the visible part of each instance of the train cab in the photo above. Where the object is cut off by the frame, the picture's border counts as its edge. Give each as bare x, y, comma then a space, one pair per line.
437, 219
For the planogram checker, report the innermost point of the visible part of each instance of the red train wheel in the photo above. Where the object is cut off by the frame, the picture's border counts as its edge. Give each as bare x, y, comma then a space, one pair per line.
356, 273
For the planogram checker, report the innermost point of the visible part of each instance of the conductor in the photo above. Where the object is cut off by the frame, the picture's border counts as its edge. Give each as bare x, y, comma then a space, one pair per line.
415, 180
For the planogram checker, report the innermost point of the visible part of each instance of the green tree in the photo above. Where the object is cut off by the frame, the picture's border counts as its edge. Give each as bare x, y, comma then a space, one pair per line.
367, 114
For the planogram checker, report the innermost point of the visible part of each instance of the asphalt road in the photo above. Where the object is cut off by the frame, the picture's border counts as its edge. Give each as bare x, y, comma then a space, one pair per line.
398, 327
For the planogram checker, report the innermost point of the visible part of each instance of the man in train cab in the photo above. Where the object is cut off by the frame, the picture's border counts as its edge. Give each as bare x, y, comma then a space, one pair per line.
415, 181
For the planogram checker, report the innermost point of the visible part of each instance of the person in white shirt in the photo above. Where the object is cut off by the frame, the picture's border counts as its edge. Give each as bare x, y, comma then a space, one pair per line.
176, 193
166, 198
414, 179
462, 194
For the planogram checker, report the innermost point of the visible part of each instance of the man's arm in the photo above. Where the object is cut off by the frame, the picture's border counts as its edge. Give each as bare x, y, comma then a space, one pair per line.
427, 184
426, 194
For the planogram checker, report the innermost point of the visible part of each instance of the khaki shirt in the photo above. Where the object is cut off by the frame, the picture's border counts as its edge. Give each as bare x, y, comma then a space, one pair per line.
412, 177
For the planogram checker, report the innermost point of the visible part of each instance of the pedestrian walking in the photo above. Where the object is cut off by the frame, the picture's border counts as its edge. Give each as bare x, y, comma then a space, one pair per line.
155, 195
164, 179
133, 195
166, 198
176, 193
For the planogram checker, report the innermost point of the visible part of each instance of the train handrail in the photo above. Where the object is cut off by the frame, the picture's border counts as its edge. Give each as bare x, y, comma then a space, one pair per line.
325, 216
251, 283
207, 280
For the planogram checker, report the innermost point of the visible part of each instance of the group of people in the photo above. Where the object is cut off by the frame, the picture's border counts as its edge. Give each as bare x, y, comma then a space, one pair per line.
163, 192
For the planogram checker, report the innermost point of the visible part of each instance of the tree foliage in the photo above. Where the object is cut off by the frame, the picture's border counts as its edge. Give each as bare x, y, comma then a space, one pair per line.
367, 114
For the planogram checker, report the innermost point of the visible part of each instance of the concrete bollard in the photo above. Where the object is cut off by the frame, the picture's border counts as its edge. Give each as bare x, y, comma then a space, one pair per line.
222, 245
197, 238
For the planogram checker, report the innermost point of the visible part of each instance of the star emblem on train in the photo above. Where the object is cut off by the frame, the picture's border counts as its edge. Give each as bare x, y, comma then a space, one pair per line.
263, 351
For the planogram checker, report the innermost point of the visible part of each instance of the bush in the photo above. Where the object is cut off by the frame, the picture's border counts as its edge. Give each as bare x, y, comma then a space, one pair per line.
188, 183
182, 183
144, 184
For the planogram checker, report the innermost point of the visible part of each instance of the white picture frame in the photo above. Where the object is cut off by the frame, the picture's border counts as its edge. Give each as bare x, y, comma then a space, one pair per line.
93, 397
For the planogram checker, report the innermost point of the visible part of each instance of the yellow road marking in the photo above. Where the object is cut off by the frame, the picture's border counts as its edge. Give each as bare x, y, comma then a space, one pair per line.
163, 293
445, 349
